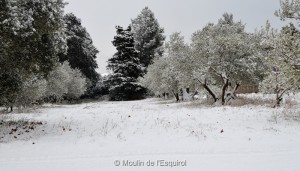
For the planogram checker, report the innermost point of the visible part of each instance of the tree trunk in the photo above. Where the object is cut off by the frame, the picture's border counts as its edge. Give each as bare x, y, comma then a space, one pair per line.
211, 93
232, 94
278, 101
193, 95
237, 85
279, 97
181, 94
208, 90
225, 86
176, 96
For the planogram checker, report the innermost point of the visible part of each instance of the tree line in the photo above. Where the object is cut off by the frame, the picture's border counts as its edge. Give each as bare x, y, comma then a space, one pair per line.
47, 55
220, 58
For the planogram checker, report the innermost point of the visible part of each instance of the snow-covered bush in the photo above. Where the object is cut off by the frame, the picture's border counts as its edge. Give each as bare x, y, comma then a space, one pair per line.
65, 81
56, 82
77, 82
33, 89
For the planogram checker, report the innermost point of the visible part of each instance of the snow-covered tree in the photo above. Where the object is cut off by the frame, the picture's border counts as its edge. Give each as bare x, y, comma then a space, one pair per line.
148, 36
289, 38
155, 77
290, 9
37, 34
223, 57
10, 76
81, 52
169, 73
126, 68
283, 58
283, 75
31, 37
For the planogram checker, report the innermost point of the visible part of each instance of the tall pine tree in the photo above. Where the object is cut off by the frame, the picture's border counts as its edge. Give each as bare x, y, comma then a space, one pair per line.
148, 36
126, 68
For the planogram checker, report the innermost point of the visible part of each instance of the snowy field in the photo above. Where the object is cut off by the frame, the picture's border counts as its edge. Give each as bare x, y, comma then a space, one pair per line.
100, 135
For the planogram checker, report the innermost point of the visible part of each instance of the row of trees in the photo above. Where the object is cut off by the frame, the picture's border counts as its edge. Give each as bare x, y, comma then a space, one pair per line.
223, 56
219, 58
44, 54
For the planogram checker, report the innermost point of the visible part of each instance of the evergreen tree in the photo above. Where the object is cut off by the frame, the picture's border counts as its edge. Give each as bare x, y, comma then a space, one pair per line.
31, 37
81, 52
148, 36
36, 32
126, 68
10, 82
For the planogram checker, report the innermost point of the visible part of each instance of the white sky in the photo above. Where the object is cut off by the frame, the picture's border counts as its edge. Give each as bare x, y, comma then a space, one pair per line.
101, 16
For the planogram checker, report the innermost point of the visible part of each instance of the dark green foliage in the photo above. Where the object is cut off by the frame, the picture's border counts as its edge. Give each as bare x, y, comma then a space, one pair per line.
81, 52
31, 45
126, 68
31, 38
127, 91
10, 86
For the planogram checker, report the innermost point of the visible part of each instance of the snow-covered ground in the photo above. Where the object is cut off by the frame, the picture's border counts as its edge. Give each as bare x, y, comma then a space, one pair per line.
98, 136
